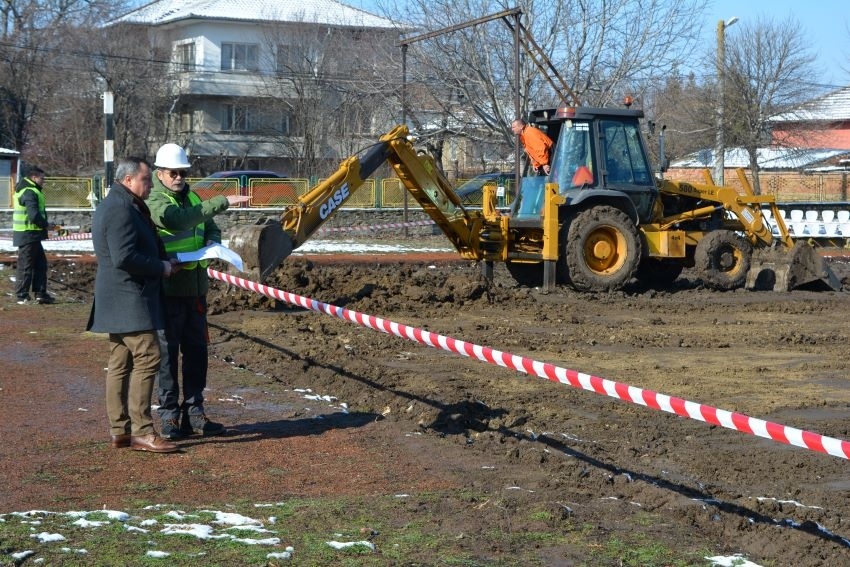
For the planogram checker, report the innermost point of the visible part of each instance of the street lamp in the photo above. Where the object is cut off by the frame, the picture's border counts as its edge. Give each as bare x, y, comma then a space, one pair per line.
719, 144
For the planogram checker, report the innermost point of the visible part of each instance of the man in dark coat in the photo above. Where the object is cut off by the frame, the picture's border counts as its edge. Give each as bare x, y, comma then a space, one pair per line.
29, 226
128, 304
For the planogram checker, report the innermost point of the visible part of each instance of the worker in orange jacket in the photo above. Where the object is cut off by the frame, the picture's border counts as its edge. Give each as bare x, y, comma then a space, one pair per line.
537, 145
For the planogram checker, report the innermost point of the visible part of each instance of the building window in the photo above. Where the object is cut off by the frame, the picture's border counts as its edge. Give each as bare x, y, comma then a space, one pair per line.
187, 122
184, 56
240, 56
289, 57
237, 119
284, 58
304, 59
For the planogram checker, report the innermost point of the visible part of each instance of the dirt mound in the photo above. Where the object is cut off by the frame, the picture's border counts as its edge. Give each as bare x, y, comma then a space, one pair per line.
508, 450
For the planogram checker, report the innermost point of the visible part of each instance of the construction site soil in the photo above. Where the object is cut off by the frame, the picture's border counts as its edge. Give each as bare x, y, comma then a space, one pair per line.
507, 452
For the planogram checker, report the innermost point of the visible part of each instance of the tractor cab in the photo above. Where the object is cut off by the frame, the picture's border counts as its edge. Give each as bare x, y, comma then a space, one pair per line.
598, 154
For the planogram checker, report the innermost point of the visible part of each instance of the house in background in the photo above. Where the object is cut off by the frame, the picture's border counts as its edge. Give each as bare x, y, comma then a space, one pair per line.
820, 123
275, 85
808, 159
769, 159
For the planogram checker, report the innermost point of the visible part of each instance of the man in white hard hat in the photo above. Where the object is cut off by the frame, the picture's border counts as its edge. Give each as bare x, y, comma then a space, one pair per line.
185, 224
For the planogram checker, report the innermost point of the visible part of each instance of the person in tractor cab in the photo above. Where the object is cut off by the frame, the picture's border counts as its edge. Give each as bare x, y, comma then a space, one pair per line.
537, 145
185, 224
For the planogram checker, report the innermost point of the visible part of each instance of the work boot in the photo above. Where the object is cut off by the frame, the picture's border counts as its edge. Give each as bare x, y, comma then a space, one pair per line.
171, 430
200, 424
185, 426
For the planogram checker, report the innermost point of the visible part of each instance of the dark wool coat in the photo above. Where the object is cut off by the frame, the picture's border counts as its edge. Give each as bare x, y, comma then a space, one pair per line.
128, 286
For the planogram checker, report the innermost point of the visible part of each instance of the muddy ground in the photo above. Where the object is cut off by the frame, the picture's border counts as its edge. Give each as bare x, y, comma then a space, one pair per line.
403, 417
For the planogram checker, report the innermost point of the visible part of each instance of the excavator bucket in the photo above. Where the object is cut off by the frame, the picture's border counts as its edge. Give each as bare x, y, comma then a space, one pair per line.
262, 247
781, 269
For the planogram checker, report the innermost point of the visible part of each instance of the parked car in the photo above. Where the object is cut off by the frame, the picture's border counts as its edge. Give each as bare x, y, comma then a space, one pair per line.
264, 192
472, 191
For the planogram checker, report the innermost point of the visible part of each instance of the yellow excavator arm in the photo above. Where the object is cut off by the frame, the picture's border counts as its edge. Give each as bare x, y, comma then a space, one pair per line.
313, 209
474, 234
746, 208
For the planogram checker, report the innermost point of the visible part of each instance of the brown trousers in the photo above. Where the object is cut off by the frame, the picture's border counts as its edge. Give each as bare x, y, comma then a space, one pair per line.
133, 364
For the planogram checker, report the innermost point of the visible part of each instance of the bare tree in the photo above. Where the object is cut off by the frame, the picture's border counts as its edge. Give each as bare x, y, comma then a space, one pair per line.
682, 105
326, 91
27, 53
769, 66
49, 99
604, 50
137, 69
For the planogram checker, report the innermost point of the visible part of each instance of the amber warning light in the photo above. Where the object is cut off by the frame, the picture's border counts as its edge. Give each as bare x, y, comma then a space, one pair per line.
566, 112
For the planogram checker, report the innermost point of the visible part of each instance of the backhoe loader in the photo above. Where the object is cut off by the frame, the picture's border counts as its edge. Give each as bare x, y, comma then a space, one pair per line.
600, 219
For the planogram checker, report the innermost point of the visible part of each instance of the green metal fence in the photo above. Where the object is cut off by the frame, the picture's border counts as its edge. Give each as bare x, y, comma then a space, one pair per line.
392, 193
276, 192
78, 192
73, 192
68, 192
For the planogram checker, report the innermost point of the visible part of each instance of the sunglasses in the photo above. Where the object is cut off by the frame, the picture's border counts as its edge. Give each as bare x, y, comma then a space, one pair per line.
175, 173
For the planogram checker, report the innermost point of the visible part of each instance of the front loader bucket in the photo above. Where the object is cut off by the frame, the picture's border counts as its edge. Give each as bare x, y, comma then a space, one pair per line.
781, 269
262, 247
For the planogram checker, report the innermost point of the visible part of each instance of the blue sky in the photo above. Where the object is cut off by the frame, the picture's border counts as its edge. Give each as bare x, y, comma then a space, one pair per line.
826, 22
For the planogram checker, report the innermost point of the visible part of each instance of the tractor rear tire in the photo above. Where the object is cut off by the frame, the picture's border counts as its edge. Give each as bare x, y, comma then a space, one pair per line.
601, 249
722, 259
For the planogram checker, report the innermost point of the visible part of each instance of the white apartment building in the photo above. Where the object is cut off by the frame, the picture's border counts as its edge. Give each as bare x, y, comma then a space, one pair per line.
287, 85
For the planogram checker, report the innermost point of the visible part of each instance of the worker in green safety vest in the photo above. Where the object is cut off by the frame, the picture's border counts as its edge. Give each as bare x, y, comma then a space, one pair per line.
185, 224
30, 226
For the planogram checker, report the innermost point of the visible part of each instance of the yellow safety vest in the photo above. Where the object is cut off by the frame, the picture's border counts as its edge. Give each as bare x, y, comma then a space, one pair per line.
20, 222
187, 240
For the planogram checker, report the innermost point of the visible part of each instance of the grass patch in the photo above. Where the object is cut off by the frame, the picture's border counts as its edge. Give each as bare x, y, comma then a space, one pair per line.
42, 477
416, 529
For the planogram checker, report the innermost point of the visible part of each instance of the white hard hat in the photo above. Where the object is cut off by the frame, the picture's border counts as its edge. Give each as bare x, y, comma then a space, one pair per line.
171, 156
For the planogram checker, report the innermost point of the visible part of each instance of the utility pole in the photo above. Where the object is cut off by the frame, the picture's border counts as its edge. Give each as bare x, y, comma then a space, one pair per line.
108, 143
719, 142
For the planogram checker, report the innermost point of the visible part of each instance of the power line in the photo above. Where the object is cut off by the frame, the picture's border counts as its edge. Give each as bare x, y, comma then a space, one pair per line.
291, 74
85, 54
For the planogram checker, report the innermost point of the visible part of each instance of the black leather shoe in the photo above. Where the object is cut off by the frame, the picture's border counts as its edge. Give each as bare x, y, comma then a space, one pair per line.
119, 441
153, 443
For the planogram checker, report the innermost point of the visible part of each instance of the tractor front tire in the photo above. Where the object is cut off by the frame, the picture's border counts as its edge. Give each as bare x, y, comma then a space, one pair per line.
722, 259
601, 249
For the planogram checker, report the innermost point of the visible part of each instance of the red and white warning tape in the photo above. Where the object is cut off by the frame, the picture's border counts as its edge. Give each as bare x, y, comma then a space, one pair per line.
730, 420
375, 226
75, 236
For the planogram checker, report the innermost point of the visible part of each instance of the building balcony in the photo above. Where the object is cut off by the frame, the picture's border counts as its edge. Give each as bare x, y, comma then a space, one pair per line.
221, 83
